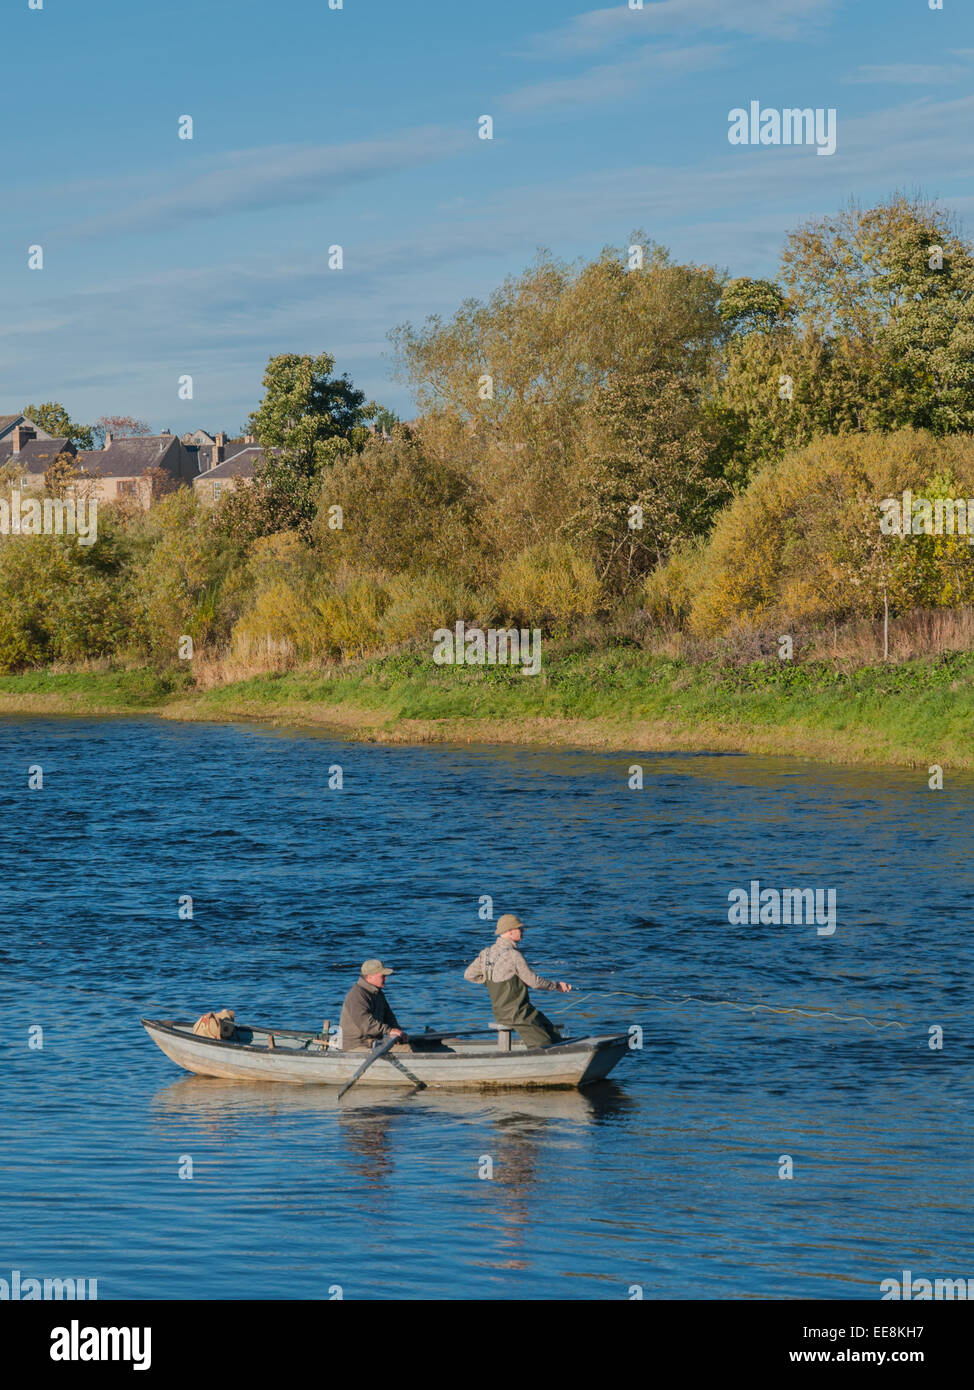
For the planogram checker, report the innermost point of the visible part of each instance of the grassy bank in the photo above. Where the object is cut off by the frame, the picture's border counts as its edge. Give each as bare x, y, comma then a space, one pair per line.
910, 714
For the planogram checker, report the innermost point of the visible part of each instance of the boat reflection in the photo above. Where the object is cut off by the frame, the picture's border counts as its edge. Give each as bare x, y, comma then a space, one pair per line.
211, 1103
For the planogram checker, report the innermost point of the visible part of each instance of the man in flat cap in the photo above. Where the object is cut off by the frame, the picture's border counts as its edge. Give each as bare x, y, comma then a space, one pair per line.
507, 975
366, 1016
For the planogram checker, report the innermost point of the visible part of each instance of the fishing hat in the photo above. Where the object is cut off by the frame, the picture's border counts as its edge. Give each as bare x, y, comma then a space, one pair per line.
375, 967
507, 923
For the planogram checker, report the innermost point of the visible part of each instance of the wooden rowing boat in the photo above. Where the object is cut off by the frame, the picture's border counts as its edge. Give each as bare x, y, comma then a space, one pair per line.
301, 1058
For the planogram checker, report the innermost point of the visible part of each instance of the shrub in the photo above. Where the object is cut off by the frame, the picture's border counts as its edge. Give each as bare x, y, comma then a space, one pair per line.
669, 590
548, 585
803, 543
421, 604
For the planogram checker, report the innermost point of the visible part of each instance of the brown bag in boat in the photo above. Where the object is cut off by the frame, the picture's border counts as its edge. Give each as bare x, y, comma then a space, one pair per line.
218, 1025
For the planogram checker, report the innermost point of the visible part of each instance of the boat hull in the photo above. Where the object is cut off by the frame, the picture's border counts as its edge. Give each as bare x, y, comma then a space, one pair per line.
297, 1059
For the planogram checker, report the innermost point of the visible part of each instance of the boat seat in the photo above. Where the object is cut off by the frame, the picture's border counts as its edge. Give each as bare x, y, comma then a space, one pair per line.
504, 1031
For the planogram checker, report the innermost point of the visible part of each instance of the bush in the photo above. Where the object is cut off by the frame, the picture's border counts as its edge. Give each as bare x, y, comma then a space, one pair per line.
403, 511
547, 586
420, 605
803, 543
61, 601
668, 592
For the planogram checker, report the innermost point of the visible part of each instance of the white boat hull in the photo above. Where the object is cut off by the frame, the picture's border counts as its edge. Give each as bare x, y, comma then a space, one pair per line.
298, 1059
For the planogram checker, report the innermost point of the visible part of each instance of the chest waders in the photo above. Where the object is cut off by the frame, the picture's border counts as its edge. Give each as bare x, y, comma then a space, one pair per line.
512, 1004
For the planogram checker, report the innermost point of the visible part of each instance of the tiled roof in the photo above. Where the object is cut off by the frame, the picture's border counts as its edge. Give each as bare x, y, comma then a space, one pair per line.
36, 455
241, 465
129, 457
237, 446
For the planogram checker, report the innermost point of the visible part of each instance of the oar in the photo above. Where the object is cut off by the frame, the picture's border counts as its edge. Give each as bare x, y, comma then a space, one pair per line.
373, 1056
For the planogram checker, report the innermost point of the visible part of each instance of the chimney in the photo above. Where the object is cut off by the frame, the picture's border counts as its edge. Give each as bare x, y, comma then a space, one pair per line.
108, 439
250, 439
216, 452
221, 439
20, 436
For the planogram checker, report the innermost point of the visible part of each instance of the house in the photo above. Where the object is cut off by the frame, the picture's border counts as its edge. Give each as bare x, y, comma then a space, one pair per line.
21, 448
208, 443
198, 437
233, 472
128, 467
8, 423
217, 451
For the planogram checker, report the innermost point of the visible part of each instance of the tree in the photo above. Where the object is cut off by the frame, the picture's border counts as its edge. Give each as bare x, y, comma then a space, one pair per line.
876, 332
748, 304
52, 417
304, 423
404, 510
649, 480
62, 475
119, 427
898, 281
183, 582
536, 381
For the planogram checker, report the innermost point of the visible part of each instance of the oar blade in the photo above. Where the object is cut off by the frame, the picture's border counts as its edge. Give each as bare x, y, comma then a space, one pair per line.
373, 1056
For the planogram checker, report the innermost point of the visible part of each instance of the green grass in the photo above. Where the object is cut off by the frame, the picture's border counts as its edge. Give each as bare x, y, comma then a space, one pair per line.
916, 712
122, 690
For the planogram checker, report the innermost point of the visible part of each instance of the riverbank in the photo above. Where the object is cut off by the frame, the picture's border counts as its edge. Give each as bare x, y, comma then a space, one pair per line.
911, 714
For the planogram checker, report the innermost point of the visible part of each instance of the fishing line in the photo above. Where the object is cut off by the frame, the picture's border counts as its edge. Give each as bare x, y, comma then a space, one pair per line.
582, 999
733, 1004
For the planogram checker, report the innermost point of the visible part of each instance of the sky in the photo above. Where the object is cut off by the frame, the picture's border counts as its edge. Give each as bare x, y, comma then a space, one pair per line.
358, 127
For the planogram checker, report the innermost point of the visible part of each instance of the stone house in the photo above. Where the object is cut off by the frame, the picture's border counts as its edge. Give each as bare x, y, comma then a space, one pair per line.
236, 470
134, 466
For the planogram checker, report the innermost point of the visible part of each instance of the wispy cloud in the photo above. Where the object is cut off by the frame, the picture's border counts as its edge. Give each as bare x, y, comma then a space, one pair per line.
911, 74
611, 81
772, 19
283, 175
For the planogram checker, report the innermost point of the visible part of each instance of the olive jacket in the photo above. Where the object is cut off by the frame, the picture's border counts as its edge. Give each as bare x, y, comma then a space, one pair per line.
366, 1017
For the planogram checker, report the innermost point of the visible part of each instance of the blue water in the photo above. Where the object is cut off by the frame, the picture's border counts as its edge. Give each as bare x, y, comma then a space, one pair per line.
665, 1178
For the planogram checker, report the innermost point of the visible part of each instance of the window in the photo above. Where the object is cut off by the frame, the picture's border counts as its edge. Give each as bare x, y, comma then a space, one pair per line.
217, 485
126, 487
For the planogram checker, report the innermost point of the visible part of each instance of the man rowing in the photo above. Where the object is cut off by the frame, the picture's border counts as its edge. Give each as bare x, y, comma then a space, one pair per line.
508, 977
366, 1016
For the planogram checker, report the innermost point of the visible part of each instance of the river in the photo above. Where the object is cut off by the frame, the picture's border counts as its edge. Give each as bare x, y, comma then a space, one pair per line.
665, 1182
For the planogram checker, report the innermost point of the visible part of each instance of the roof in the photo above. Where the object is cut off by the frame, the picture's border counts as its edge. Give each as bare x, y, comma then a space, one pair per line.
241, 465
35, 455
128, 457
237, 446
7, 422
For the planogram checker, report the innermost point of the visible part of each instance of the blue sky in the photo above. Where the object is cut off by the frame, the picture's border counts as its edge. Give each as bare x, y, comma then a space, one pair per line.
358, 126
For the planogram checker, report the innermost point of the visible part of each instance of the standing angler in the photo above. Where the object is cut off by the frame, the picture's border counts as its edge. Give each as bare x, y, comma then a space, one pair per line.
507, 975
366, 1015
